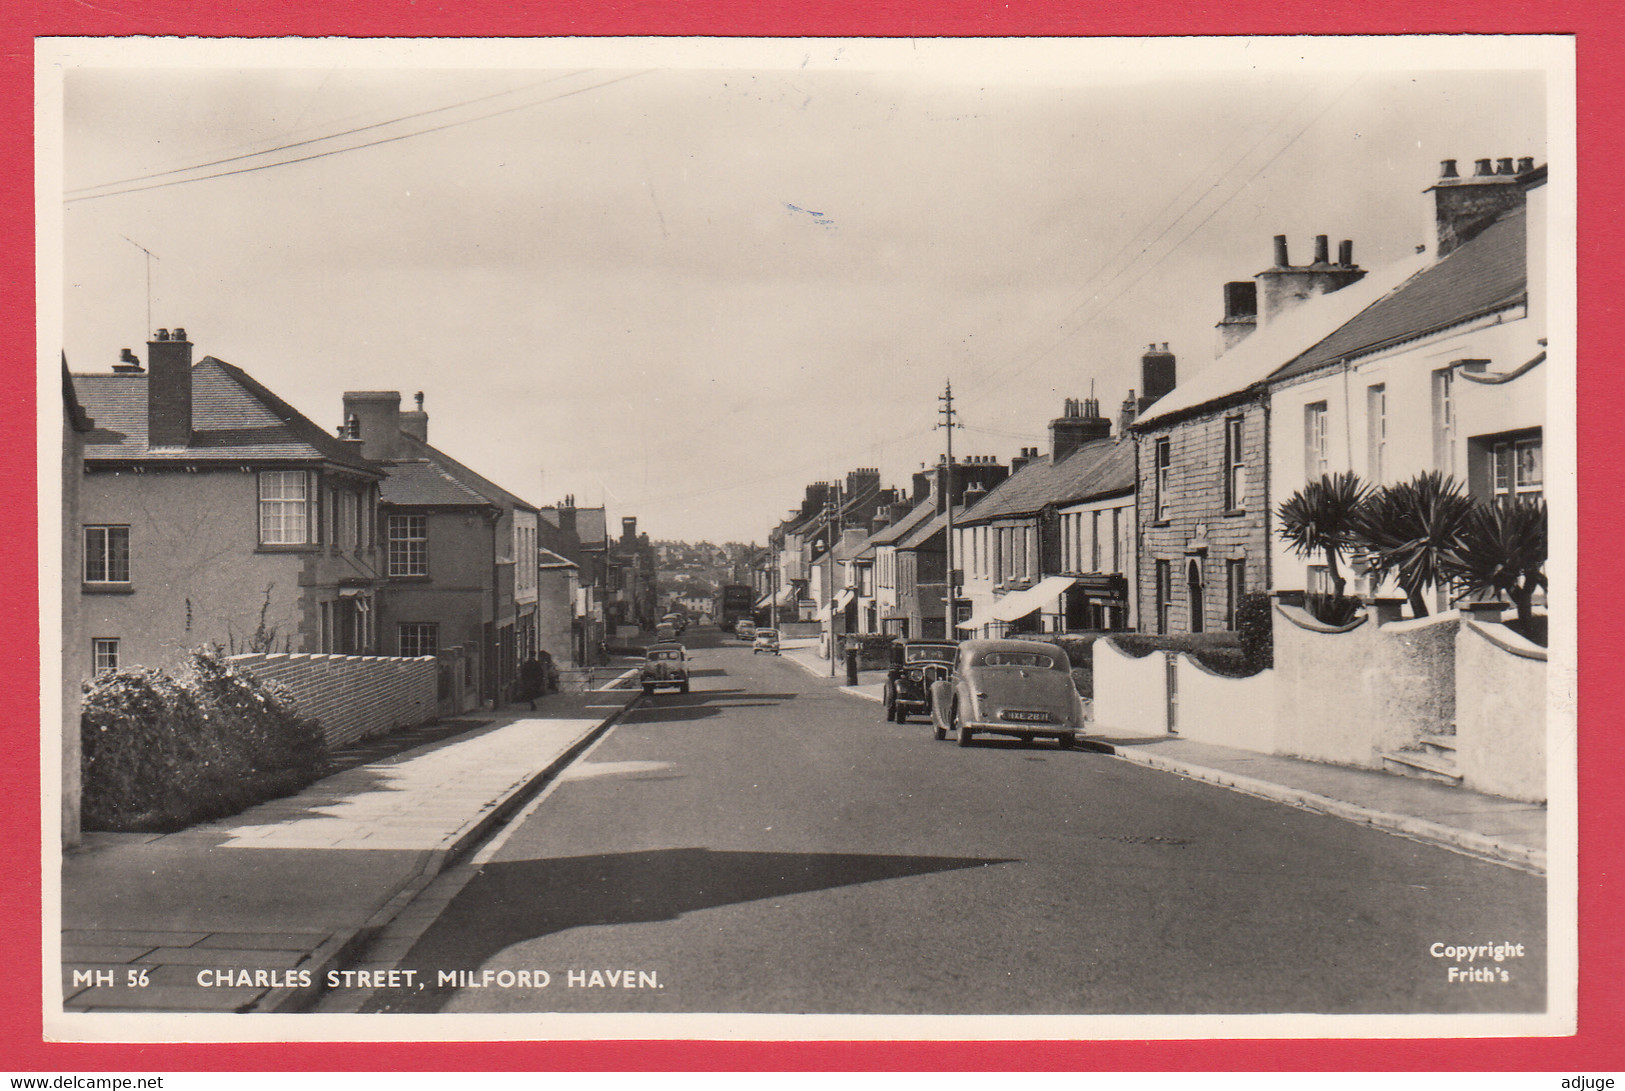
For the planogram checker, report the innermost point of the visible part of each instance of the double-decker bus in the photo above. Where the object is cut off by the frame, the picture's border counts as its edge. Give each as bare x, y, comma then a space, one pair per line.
733, 602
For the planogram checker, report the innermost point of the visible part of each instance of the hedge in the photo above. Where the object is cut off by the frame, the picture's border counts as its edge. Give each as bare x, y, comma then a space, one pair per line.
160, 752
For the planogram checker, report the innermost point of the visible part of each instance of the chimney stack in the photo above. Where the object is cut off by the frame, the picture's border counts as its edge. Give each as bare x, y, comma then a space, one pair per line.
1240, 313
1463, 207
1156, 374
1126, 413
1080, 424
378, 413
128, 364
169, 390
415, 422
629, 530
1284, 285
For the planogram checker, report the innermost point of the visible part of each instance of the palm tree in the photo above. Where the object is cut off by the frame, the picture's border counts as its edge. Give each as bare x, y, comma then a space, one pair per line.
1412, 530
1322, 518
1502, 549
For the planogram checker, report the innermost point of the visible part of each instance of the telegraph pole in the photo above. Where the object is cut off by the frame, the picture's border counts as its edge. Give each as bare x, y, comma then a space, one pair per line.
949, 423
832, 535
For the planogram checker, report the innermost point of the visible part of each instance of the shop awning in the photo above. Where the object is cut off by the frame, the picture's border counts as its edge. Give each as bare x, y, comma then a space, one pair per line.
1019, 604
840, 603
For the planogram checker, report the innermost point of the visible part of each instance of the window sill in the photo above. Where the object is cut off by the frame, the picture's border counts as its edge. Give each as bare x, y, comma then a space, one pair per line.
301, 548
415, 578
1234, 512
1160, 523
106, 589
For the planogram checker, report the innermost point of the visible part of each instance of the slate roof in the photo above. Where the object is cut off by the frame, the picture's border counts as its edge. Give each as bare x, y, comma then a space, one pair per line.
234, 419
591, 525
1482, 276
895, 532
925, 533
548, 559
423, 476
1102, 467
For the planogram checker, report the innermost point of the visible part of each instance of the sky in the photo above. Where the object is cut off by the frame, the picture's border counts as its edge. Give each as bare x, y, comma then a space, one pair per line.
686, 278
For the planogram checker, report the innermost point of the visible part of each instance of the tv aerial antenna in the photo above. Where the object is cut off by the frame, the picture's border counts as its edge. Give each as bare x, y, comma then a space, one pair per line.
151, 257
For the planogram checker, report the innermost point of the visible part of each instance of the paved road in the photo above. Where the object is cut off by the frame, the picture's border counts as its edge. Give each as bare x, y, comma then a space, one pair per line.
768, 844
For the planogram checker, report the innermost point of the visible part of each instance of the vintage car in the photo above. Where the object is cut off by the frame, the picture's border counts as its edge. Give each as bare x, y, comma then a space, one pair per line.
1021, 688
767, 640
665, 634
916, 665
664, 665
676, 621
745, 629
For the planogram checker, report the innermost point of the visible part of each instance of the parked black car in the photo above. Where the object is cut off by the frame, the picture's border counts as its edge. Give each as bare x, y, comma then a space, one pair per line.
916, 664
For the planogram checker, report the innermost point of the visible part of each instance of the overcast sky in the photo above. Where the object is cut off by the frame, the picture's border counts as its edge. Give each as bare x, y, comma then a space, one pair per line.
685, 279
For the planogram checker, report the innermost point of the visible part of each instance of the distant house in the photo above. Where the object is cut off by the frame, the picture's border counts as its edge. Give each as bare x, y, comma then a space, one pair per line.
1046, 551
460, 551
212, 512
1444, 373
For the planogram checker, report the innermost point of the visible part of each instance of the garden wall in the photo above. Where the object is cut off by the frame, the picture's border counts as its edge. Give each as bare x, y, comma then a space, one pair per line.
1346, 694
1500, 712
352, 696
1131, 695
1221, 709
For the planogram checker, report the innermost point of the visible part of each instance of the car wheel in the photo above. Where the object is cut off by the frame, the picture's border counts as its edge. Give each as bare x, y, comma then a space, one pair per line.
888, 697
959, 726
1066, 742
683, 688
648, 691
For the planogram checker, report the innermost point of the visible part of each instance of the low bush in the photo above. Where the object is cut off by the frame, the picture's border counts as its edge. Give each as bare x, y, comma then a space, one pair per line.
1255, 627
1333, 609
874, 649
160, 752
1080, 652
1220, 652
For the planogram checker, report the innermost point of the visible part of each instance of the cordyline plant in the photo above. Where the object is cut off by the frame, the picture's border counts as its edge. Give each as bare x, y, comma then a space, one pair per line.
1413, 531
1501, 548
1323, 518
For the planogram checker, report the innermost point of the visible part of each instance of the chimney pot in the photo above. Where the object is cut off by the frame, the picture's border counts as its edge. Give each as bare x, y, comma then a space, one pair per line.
180, 332
1482, 168
1345, 252
1526, 164
1322, 254
1504, 166
1280, 251
163, 335
418, 397
1447, 169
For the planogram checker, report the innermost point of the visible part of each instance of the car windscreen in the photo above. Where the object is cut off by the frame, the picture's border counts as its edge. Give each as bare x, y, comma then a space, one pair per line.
673, 654
928, 653
1032, 660
767, 634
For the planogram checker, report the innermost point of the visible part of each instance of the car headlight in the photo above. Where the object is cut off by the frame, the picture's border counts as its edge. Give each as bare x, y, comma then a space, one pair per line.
915, 675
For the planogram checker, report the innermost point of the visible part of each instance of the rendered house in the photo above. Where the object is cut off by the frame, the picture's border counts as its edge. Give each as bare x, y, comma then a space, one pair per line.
212, 512
460, 551
1446, 373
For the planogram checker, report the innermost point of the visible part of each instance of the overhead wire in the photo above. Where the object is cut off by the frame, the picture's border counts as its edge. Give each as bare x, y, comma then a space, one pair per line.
320, 139
1005, 371
359, 147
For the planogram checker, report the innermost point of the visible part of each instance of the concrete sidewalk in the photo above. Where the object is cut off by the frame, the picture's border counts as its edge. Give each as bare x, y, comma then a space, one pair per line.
1502, 830
249, 913
804, 654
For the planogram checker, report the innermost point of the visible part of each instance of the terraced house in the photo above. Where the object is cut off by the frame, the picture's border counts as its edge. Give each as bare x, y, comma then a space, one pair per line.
213, 512
460, 552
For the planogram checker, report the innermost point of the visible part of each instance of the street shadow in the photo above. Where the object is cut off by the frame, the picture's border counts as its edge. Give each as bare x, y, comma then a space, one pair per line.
510, 902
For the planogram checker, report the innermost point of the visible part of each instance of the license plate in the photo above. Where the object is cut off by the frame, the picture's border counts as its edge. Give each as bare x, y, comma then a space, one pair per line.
1028, 717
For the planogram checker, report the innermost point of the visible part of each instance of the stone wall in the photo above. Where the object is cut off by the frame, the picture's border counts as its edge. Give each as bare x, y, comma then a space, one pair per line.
352, 696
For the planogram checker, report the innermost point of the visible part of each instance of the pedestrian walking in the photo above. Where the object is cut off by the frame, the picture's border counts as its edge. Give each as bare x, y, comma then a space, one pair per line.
532, 680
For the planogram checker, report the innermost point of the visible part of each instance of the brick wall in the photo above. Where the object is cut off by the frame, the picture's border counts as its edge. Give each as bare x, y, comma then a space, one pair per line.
1196, 524
352, 696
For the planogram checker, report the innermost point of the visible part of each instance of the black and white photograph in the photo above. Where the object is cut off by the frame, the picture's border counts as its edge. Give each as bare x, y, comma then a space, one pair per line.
774, 539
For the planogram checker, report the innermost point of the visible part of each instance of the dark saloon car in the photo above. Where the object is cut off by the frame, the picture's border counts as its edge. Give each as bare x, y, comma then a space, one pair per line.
916, 664
1021, 688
